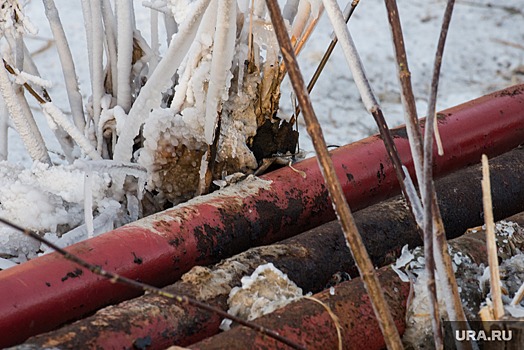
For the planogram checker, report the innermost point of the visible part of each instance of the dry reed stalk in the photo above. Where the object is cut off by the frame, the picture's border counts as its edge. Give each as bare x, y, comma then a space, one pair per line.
353, 238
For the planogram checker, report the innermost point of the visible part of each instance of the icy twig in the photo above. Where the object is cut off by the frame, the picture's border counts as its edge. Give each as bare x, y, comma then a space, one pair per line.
64, 140
178, 298
305, 33
88, 24
96, 58
67, 64
110, 30
300, 22
223, 51
353, 238
55, 114
491, 242
28, 87
429, 189
33, 142
151, 93
124, 21
308, 31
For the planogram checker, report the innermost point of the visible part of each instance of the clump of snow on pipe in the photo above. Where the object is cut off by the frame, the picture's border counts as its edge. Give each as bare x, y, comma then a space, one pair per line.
264, 291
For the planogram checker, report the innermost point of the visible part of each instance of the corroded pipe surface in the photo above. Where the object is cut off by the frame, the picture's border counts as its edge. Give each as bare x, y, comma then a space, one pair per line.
46, 292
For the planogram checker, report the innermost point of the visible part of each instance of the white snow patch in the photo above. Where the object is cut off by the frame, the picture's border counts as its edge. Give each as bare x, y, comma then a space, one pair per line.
266, 290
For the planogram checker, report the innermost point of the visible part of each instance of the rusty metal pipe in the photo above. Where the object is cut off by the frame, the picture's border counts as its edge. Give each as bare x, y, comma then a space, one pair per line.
309, 259
310, 324
43, 293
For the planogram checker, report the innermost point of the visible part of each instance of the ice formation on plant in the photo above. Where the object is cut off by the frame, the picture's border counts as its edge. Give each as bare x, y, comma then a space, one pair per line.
227, 87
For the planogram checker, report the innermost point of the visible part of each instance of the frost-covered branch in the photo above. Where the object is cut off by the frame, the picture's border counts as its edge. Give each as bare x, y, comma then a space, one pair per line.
68, 66
97, 75
33, 142
125, 26
110, 30
223, 49
53, 113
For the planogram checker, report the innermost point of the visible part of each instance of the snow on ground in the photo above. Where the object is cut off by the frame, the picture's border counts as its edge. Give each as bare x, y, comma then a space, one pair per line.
484, 53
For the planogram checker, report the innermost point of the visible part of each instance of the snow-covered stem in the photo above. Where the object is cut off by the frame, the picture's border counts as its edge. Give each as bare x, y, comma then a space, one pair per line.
110, 29
307, 32
88, 25
353, 238
151, 93
33, 142
491, 242
60, 119
348, 47
124, 20
4, 126
429, 189
406, 90
301, 19
66, 61
178, 298
97, 75
223, 51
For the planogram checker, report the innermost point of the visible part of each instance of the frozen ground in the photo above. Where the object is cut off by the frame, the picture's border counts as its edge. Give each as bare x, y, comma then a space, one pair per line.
484, 53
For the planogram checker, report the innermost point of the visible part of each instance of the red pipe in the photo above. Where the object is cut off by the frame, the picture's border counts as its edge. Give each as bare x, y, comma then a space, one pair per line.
43, 293
307, 323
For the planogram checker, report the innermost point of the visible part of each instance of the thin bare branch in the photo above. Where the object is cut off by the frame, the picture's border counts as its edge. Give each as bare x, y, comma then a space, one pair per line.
353, 238
179, 298
491, 242
429, 188
408, 99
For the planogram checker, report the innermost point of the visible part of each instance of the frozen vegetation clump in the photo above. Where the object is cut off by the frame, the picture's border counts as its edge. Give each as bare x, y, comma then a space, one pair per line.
159, 123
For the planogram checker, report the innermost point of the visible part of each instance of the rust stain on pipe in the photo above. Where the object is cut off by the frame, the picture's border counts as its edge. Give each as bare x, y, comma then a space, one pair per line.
308, 323
34, 299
